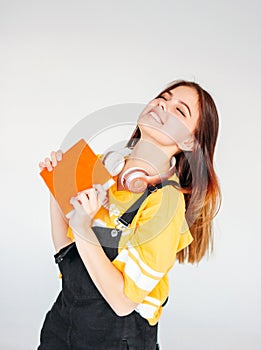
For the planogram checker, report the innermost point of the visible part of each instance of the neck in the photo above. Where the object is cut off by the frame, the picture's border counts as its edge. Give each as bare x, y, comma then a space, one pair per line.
149, 157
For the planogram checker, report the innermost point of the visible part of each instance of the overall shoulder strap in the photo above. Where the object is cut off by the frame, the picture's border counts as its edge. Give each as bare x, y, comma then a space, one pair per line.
127, 217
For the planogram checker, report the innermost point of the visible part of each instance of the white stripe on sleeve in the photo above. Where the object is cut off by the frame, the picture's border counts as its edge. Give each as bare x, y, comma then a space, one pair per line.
135, 253
153, 300
132, 269
146, 311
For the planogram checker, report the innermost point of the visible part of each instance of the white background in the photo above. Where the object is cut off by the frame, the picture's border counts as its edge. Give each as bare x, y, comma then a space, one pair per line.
60, 61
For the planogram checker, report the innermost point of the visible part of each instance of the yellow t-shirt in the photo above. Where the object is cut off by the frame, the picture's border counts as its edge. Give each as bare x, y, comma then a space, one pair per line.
148, 247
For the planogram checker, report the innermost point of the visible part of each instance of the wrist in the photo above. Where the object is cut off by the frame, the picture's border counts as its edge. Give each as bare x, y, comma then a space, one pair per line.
85, 237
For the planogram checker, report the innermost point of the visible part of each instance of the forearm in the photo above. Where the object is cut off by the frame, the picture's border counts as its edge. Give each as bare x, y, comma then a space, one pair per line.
107, 278
59, 225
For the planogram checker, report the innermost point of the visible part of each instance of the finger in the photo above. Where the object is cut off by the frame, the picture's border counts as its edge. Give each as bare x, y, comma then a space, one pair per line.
41, 165
48, 164
83, 197
92, 194
86, 190
59, 155
75, 203
85, 203
53, 157
93, 199
98, 187
101, 193
88, 196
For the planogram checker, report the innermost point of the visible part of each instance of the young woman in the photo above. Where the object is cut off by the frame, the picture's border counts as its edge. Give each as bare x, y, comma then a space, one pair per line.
114, 265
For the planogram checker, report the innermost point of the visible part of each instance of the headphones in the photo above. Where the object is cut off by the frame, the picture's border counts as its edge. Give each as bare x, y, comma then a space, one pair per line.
134, 179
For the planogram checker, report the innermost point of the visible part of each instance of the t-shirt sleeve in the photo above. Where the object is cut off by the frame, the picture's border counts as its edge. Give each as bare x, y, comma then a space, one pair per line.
151, 251
185, 236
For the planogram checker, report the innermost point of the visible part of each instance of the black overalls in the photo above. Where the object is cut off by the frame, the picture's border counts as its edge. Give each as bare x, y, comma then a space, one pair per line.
80, 318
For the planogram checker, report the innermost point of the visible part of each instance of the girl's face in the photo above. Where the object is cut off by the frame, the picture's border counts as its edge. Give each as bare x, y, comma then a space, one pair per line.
171, 118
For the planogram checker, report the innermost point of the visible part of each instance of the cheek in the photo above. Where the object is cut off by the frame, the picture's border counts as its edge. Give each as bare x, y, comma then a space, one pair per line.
176, 129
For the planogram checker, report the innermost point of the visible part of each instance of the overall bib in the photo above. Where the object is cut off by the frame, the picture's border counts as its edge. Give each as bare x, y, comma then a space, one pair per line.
80, 318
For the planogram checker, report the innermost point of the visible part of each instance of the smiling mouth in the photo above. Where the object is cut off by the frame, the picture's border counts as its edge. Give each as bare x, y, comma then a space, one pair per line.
156, 117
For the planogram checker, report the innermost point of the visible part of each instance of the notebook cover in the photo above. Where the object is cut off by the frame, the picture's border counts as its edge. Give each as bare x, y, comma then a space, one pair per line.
78, 170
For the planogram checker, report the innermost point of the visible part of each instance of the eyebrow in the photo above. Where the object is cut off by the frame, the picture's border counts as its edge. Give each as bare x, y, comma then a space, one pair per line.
182, 102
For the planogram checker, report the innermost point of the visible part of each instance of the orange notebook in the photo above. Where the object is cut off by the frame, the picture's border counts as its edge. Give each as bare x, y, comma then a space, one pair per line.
78, 170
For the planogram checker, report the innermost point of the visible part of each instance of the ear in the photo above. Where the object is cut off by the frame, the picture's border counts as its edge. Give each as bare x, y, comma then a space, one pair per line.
188, 144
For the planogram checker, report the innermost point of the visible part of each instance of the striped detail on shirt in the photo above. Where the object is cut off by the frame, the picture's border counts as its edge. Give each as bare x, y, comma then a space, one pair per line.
149, 307
140, 273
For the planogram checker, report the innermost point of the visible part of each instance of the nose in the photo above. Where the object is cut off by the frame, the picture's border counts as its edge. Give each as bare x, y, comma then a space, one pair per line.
156, 102
161, 104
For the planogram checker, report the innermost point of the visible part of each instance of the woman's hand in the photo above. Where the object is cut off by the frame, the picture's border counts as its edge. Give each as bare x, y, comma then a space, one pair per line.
59, 222
51, 163
86, 204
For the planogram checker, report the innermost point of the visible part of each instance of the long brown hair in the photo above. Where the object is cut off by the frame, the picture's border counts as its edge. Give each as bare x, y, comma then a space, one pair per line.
197, 176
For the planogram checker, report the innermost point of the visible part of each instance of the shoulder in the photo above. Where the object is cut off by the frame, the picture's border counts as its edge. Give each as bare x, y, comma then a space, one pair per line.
166, 201
161, 214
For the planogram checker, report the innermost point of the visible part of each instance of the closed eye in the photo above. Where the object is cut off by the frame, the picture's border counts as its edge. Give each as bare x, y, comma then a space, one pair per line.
180, 111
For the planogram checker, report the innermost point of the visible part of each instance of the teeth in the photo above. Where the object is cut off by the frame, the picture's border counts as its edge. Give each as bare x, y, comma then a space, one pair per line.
155, 116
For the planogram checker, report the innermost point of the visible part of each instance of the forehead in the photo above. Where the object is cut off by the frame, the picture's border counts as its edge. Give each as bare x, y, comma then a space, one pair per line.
186, 92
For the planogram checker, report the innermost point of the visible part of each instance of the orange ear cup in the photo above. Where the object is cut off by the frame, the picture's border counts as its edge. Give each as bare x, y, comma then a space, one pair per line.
134, 179
137, 179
